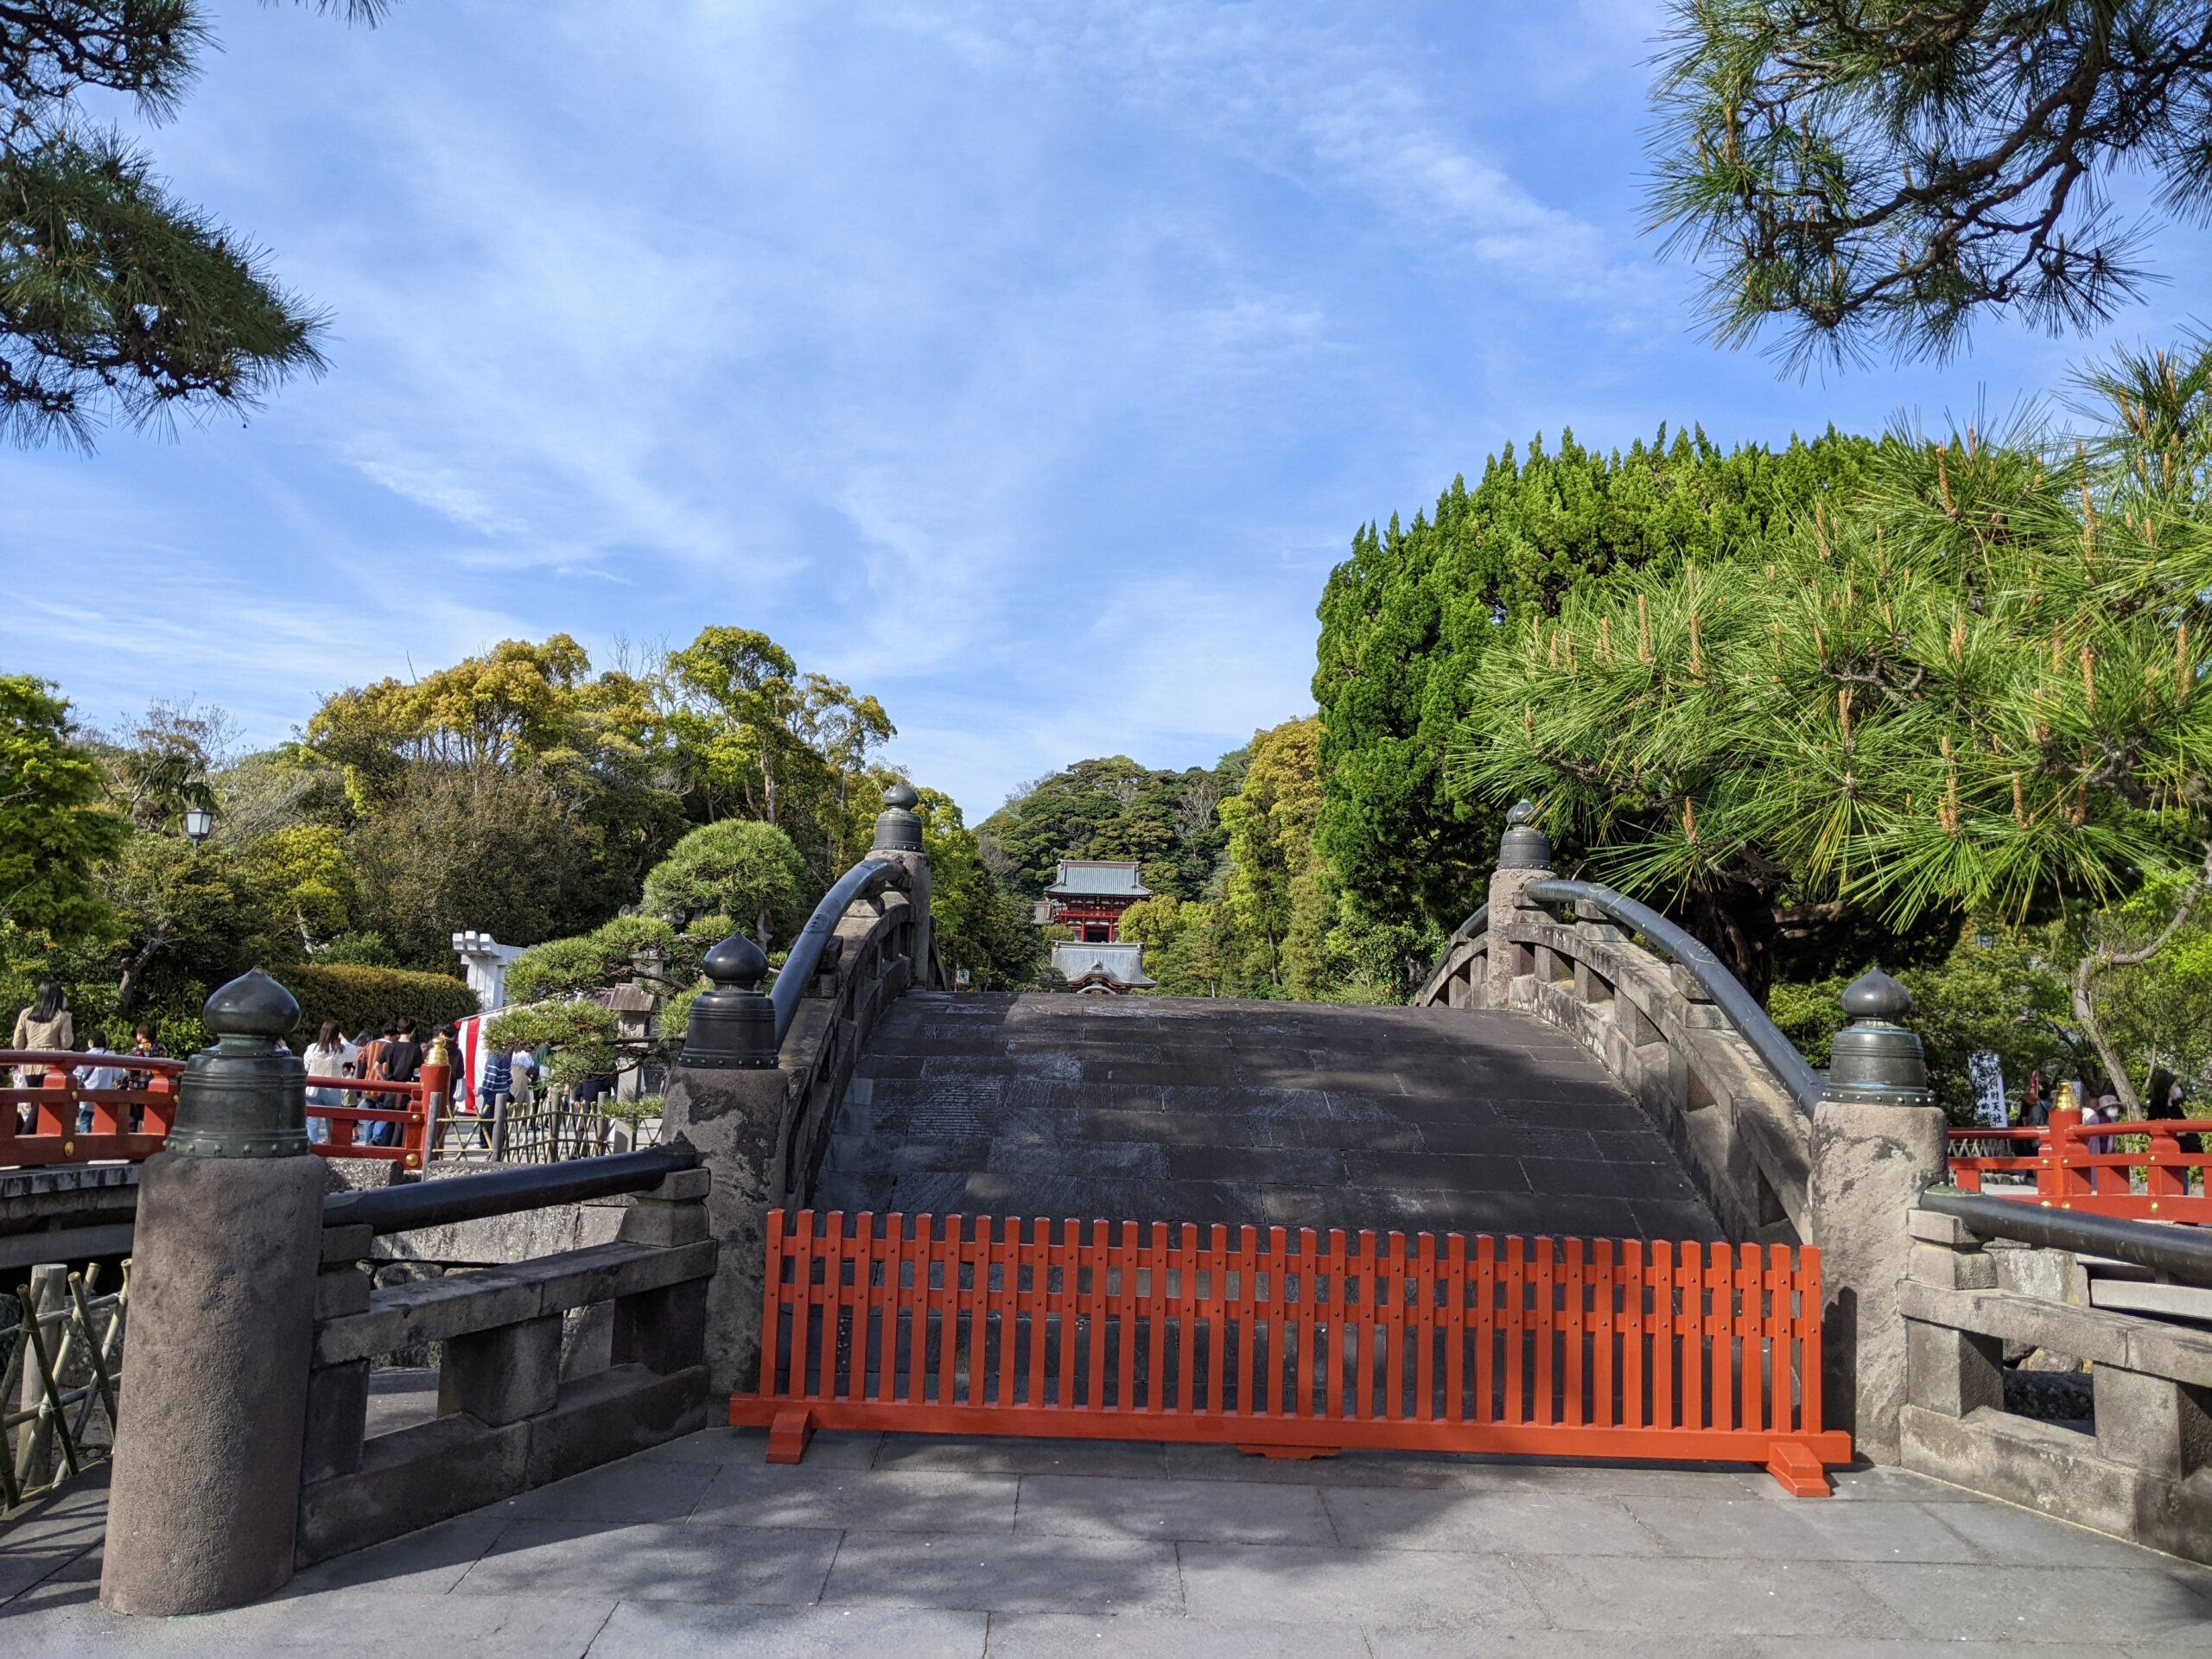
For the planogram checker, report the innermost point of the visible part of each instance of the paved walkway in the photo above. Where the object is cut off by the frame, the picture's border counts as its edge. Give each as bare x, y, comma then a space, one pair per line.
924, 1548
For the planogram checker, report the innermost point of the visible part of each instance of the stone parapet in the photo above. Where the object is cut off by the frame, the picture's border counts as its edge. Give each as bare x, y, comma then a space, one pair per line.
508, 1418
2145, 1475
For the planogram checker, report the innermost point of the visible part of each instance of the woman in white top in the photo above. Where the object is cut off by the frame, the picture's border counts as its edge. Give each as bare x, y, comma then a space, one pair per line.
327, 1056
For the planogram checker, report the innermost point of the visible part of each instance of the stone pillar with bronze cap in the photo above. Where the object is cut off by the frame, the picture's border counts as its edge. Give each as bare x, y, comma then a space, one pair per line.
204, 1503
1524, 854
898, 838
1879, 1142
728, 1098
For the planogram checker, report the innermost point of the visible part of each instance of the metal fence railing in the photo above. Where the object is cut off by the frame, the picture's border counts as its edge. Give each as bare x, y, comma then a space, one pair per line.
61, 1367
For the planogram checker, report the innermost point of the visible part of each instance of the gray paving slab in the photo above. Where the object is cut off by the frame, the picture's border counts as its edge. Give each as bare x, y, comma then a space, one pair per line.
39, 1538
1806, 1531
1012, 1575
701, 1547
2021, 1537
1499, 1521
1801, 1647
881, 1500
828, 1449
1406, 1587
1062, 1635
1002, 1456
1883, 1484
1650, 1595
655, 1563
2044, 1603
1390, 1641
682, 1630
428, 1562
630, 1491
1172, 1512
62, 1619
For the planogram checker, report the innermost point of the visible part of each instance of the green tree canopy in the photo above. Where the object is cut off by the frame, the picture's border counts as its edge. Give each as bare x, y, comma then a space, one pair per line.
1407, 618
1864, 169
980, 926
747, 872
1974, 688
54, 830
1114, 808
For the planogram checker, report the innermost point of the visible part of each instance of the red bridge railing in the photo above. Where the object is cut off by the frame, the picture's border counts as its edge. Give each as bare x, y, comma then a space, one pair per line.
2061, 1165
1292, 1348
52, 1136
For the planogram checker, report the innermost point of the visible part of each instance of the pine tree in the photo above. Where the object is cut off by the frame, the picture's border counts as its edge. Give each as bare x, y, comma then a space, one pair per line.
1871, 169
1976, 685
117, 299
1405, 619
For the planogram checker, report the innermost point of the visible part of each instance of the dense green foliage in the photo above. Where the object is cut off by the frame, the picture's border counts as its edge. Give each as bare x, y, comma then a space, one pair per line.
1114, 808
733, 870
53, 830
522, 792
1974, 688
980, 924
1405, 619
361, 999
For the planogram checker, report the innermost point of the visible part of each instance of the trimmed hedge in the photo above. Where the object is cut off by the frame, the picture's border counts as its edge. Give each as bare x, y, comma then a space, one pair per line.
361, 998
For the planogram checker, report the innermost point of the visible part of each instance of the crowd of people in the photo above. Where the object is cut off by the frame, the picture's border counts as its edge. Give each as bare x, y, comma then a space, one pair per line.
2167, 1099
394, 1054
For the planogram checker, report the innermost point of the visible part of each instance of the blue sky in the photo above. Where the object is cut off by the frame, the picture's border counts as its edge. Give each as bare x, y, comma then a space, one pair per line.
1026, 366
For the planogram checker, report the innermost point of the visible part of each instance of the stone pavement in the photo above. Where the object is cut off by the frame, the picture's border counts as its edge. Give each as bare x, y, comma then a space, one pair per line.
896, 1545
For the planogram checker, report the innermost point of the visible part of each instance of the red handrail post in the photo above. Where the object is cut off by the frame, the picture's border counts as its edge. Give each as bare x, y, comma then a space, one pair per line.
2062, 1149
429, 1103
54, 1112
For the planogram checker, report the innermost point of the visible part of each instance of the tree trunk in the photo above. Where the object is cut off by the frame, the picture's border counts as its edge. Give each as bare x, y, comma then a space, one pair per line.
2104, 956
126, 989
1738, 925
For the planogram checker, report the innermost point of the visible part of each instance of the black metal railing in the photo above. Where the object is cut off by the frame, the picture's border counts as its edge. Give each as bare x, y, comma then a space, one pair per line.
804, 960
501, 1192
2184, 1253
1740, 1008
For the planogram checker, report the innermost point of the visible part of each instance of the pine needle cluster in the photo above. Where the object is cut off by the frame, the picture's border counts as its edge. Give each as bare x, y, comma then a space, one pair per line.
1861, 169
1979, 683
117, 300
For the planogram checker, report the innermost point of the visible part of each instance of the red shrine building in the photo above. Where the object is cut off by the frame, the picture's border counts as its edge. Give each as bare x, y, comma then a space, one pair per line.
1089, 895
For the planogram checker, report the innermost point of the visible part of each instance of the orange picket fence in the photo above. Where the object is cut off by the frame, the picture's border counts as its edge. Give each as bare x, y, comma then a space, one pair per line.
1293, 1347
2138, 1170
132, 1123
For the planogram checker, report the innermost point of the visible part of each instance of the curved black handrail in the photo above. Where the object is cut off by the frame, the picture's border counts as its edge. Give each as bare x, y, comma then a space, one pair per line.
2185, 1252
804, 959
1477, 924
1728, 992
502, 1191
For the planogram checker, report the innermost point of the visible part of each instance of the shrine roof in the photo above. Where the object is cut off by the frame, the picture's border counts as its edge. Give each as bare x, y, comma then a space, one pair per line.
1123, 963
1100, 877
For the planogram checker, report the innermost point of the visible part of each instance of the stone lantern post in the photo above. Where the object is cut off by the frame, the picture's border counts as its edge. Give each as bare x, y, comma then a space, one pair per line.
1879, 1142
204, 1505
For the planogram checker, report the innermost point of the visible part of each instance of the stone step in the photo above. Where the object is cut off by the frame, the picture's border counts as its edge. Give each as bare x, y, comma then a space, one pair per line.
1265, 1114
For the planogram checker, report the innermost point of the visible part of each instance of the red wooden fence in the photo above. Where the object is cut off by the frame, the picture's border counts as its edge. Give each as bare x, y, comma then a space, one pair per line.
2066, 1171
51, 1136
1541, 1346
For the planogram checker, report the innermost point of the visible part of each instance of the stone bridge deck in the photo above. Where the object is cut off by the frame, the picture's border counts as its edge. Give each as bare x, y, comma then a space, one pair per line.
1300, 1114
926, 1548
